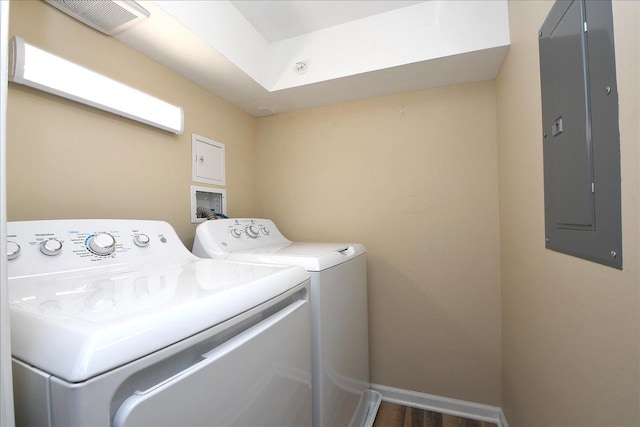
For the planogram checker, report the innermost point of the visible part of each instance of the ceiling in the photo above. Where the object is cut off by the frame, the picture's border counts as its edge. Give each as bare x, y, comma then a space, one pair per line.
249, 52
279, 20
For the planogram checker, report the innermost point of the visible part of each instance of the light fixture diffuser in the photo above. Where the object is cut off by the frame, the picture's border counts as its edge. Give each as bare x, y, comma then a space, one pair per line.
42, 70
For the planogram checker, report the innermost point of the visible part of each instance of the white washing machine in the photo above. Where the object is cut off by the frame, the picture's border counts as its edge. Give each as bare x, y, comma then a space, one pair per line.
340, 349
116, 323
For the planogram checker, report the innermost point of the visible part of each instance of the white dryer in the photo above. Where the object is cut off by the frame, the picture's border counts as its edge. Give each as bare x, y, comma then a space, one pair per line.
340, 347
116, 323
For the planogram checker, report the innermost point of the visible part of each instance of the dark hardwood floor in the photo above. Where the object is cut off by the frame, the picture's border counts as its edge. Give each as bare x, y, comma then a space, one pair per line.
394, 415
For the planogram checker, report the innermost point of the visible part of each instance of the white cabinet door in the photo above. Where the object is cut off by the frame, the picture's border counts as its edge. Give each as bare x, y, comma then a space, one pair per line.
208, 160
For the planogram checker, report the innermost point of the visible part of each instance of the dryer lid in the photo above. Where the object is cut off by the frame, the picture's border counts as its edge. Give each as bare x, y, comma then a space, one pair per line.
310, 256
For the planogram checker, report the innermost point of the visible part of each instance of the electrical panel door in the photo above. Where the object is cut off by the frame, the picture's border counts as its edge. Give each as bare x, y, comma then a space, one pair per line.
580, 132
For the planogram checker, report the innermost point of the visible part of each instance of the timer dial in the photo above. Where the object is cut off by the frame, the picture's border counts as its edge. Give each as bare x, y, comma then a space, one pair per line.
102, 244
252, 231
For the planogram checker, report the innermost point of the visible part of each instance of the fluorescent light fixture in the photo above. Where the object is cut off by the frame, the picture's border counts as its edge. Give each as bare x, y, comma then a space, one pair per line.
42, 70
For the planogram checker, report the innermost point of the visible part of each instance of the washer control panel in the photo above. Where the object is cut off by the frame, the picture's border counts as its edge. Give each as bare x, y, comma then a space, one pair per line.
40, 247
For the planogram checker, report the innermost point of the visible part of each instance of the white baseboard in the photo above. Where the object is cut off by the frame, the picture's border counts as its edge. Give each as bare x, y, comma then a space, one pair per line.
503, 420
445, 405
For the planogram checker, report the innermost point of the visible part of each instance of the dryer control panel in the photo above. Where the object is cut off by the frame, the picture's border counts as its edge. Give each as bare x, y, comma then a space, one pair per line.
232, 235
50, 246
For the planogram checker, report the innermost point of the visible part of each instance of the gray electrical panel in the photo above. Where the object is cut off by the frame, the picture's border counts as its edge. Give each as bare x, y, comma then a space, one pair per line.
581, 141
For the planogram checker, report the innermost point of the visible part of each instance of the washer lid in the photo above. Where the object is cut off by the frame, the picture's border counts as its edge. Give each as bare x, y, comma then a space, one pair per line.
76, 325
310, 256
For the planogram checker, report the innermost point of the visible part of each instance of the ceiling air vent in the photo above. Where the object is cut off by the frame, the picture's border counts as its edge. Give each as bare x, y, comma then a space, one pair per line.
107, 16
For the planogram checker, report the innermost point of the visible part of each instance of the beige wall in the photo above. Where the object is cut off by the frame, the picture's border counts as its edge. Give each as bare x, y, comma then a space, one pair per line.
68, 160
570, 327
414, 178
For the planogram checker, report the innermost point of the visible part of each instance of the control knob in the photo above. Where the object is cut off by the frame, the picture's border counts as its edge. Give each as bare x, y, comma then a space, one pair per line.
51, 247
141, 240
102, 244
264, 230
252, 231
13, 250
236, 232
